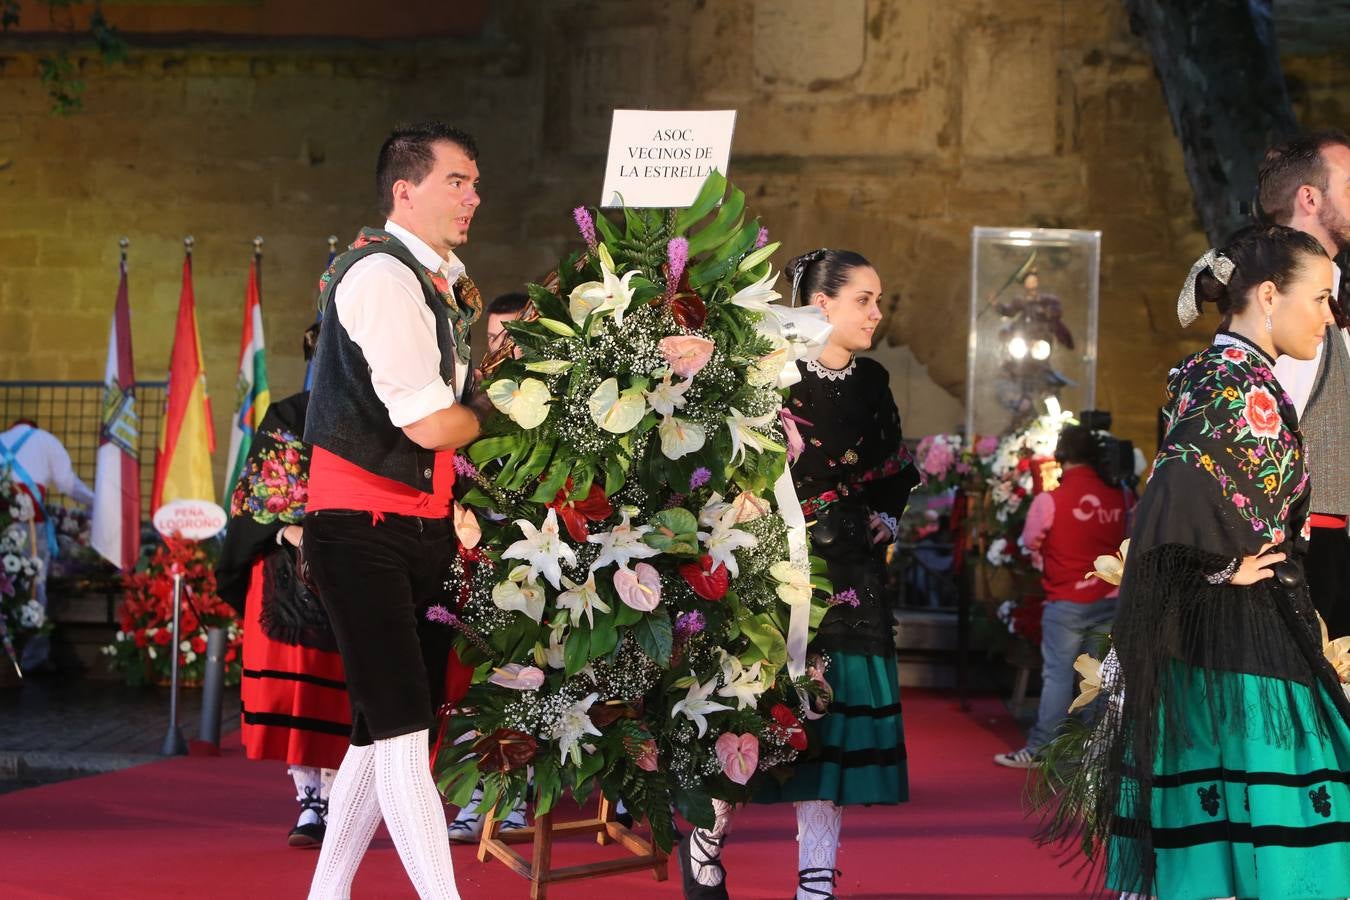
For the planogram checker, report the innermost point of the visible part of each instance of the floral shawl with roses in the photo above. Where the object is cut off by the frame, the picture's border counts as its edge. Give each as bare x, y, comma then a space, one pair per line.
271, 493
1230, 477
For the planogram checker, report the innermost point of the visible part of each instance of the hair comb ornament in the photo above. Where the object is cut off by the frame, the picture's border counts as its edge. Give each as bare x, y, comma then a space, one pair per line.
807, 259
1222, 267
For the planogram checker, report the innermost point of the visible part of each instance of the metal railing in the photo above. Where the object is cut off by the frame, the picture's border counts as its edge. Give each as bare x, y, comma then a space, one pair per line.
73, 411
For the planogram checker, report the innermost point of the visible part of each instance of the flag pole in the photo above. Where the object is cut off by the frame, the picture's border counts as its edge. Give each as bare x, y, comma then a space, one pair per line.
123, 243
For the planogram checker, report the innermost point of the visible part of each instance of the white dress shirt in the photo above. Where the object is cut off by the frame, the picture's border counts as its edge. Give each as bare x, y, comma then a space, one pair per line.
381, 304
1297, 376
47, 463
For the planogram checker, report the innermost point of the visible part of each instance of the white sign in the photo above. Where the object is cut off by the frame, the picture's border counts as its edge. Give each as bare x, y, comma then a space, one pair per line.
661, 157
195, 520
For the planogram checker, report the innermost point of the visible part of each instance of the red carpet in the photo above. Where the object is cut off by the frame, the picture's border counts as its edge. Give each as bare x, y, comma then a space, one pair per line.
215, 827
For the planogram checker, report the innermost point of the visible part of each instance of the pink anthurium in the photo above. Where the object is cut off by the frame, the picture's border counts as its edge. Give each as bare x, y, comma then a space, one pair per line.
686, 353
639, 587
517, 677
739, 755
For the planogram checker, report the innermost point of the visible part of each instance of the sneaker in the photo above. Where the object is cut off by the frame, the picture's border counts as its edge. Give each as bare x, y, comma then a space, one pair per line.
516, 820
467, 827
1018, 759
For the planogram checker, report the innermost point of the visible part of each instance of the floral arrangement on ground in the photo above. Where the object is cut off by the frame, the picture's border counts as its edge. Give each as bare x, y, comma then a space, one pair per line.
21, 615
142, 648
635, 592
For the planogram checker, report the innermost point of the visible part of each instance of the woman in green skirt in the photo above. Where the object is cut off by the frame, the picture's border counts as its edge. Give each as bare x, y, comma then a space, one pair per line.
853, 477
1222, 765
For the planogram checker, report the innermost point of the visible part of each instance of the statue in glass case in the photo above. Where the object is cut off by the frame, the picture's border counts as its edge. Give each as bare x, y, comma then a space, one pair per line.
1032, 328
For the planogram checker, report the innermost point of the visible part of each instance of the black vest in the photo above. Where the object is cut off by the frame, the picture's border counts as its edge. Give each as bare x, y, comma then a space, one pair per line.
345, 416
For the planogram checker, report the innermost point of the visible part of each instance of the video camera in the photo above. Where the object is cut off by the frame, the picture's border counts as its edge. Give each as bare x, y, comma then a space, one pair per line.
1114, 460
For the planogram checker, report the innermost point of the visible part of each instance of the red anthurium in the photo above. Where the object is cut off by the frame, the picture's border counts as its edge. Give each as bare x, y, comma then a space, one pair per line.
688, 311
791, 725
708, 581
595, 507
505, 750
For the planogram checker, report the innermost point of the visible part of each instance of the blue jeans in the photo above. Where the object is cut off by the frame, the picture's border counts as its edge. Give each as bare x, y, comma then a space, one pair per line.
1067, 630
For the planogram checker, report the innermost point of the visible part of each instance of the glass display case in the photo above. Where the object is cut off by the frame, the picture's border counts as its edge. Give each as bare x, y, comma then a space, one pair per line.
1033, 325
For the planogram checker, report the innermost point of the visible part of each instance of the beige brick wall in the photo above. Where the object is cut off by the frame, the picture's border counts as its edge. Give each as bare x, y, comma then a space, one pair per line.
890, 126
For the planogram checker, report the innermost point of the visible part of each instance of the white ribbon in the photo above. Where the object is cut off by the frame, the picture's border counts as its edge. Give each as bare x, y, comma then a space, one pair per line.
805, 331
799, 614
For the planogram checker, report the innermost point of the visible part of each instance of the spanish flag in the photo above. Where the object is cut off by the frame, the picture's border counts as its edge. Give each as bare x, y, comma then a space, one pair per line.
187, 440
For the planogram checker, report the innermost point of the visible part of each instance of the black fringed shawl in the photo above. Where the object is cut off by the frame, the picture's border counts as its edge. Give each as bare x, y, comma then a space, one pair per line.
1229, 477
270, 495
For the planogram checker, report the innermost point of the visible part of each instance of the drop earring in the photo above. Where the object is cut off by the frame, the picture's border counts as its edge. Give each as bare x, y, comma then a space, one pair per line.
1269, 327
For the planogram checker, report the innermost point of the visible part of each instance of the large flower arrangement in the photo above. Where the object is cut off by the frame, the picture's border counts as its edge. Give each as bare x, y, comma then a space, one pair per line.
23, 617
142, 649
635, 612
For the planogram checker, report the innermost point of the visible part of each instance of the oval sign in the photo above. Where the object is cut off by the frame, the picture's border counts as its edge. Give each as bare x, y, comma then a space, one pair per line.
195, 520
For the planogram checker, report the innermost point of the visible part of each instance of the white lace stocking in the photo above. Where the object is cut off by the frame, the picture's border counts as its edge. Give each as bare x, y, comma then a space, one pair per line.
353, 816
414, 814
818, 823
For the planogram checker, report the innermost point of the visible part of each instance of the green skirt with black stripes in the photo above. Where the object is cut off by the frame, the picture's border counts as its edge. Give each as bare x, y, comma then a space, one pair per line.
1249, 814
856, 752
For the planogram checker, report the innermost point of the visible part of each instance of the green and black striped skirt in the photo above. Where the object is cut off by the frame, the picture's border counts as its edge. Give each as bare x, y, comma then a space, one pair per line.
856, 752
1249, 812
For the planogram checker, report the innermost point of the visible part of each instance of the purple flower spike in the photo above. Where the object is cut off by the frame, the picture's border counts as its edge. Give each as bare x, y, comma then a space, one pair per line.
677, 255
441, 615
845, 598
689, 624
701, 476
586, 225
763, 238
463, 467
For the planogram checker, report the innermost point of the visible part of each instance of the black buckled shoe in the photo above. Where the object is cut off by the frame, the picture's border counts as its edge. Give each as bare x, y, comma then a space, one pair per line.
807, 879
693, 890
310, 835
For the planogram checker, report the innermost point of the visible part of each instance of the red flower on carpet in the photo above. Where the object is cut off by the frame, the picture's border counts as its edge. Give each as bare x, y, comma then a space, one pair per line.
1263, 413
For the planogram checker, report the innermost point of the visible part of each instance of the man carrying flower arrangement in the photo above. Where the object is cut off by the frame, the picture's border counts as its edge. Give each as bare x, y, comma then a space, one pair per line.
385, 417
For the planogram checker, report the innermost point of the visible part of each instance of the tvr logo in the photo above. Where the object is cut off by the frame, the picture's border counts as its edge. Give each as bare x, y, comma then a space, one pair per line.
1090, 507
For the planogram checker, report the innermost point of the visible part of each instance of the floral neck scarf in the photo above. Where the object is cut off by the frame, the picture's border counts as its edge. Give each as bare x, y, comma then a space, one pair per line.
1230, 422
463, 302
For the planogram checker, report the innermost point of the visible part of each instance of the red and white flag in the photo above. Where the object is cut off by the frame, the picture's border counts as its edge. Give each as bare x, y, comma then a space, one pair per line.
116, 531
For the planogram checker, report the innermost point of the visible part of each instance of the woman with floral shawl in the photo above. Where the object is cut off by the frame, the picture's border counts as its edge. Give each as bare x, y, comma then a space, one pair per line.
294, 694
1220, 766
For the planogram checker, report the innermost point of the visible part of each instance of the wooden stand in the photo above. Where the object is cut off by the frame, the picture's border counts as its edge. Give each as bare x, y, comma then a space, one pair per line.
539, 870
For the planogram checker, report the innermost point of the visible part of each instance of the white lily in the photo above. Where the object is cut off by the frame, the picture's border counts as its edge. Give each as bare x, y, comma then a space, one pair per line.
696, 706
610, 296
574, 724
744, 436
555, 655
741, 683
680, 437
713, 511
794, 585
525, 403
550, 366
521, 594
581, 599
666, 397
542, 547
621, 544
759, 295
722, 542
617, 413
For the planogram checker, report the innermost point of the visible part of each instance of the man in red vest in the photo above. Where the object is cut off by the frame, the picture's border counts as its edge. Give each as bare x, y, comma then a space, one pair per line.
1066, 530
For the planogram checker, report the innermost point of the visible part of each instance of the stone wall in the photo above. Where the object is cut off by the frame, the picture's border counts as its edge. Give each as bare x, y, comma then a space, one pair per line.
888, 126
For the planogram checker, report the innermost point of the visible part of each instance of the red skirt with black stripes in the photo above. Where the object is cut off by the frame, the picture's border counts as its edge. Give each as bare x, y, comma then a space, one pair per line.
295, 705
